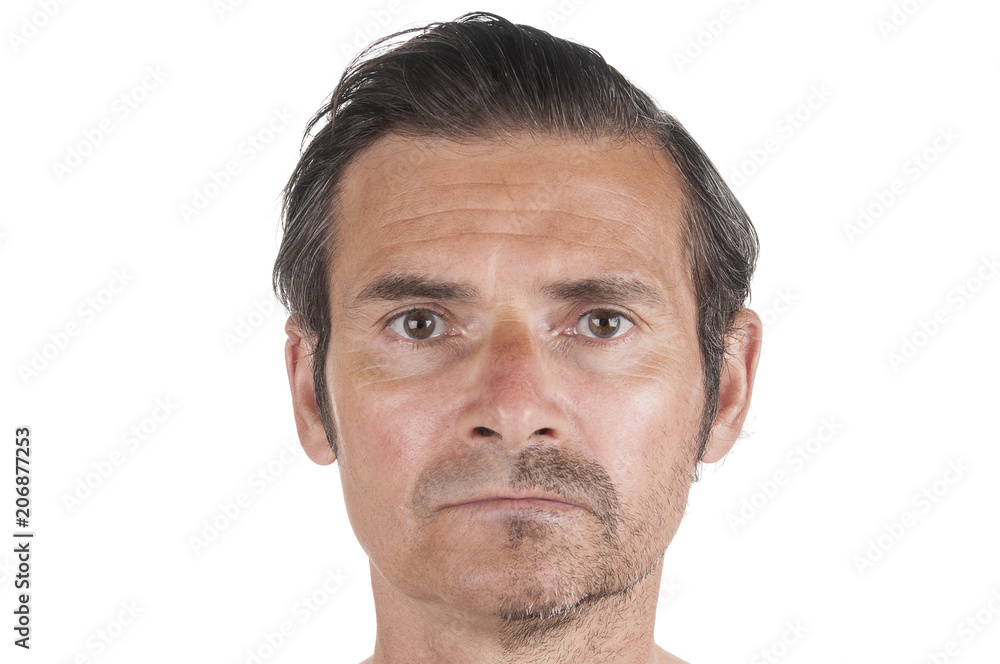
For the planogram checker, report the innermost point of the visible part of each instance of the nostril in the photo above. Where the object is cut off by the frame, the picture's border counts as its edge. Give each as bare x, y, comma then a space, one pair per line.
543, 432
483, 431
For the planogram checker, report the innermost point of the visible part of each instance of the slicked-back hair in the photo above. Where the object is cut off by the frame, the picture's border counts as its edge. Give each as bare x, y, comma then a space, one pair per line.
483, 77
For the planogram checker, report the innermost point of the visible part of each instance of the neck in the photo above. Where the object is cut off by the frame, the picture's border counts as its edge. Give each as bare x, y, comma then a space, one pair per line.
613, 628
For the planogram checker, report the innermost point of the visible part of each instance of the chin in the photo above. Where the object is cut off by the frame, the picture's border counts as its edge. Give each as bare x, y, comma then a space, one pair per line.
534, 570
518, 593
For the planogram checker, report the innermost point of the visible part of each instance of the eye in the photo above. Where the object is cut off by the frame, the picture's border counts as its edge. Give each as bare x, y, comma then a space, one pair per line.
603, 324
418, 324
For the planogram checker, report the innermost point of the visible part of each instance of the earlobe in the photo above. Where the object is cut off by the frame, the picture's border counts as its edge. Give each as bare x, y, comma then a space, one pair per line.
308, 422
735, 384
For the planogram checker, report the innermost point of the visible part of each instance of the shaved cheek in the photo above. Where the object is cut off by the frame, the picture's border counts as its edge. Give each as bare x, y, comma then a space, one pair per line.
393, 416
397, 414
387, 435
643, 425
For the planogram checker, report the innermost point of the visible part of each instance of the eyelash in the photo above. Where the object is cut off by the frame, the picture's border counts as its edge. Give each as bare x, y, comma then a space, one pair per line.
590, 341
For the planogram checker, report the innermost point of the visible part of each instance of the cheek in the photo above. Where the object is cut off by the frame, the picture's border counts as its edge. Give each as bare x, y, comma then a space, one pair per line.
641, 425
388, 433
389, 427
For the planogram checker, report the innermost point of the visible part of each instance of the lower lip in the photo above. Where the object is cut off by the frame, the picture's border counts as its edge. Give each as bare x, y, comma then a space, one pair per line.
519, 504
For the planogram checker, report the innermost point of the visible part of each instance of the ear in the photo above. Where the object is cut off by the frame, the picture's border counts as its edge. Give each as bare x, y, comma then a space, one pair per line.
308, 423
735, 384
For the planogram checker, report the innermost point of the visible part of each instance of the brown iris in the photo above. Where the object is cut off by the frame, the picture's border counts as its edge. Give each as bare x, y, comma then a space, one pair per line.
604, 324
418, 324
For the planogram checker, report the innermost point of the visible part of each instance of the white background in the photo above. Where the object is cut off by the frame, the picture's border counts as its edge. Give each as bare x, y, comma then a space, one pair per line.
837, 304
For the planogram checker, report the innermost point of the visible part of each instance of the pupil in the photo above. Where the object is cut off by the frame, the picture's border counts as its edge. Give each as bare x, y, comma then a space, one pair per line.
604, 326
419, 324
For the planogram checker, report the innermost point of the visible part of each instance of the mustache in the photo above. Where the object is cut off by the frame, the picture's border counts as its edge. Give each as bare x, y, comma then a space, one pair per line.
544, 468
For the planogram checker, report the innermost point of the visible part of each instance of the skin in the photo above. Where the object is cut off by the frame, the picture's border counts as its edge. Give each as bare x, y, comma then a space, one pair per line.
515, 392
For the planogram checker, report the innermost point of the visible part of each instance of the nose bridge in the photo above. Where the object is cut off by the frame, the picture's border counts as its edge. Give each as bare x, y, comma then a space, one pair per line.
513, 361
515, 391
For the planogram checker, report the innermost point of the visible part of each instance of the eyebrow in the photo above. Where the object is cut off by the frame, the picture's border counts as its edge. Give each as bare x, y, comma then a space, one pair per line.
398, 286
607, 288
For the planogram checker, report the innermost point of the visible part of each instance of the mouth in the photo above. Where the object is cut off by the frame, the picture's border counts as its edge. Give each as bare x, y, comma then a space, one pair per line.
518, 503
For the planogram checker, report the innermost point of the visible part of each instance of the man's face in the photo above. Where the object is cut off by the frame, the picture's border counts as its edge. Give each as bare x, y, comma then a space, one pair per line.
513, 319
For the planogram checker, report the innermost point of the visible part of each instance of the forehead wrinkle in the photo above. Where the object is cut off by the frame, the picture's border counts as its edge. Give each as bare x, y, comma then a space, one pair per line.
599, 196
539, 184
661, 202
648, 215
671, 186
502, 235
387, 224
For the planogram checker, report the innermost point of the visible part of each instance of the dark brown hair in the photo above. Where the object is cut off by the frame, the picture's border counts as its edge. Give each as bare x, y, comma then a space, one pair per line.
482, 76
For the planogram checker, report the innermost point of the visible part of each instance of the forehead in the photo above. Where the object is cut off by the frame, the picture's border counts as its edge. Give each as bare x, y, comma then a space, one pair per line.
535, 205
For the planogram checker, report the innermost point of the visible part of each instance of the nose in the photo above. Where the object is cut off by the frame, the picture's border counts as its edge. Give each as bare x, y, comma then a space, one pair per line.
514, 394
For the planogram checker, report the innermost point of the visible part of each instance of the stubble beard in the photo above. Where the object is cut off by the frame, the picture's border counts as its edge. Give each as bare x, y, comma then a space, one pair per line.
594, 582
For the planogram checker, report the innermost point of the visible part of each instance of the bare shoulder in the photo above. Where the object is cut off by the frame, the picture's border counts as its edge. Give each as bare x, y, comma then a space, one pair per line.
665, 658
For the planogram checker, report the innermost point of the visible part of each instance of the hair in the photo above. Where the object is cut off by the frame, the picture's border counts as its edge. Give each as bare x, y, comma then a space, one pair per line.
482, 77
